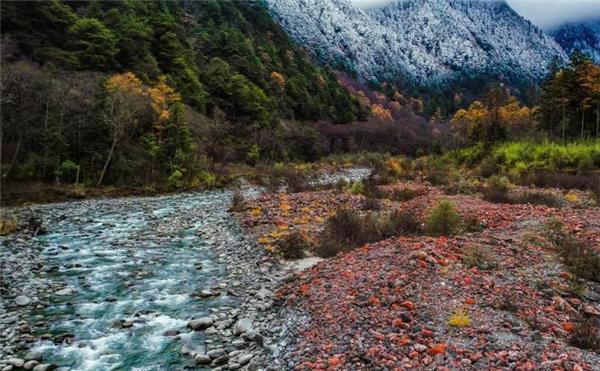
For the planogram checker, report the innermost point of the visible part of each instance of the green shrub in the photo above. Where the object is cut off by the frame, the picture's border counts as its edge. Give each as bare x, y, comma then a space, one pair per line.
405, 194
357, 188
443, 220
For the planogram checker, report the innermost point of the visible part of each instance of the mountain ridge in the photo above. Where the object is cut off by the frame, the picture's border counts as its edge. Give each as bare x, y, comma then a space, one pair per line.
390, 43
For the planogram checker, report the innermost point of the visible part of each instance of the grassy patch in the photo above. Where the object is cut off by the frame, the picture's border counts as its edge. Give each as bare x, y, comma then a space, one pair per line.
238, 202
478, 256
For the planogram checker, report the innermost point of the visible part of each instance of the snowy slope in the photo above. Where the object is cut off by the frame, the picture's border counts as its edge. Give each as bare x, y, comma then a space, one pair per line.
426, 42
584, 36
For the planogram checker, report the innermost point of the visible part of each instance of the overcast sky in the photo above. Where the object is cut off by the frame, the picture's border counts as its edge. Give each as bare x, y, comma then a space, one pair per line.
544, 13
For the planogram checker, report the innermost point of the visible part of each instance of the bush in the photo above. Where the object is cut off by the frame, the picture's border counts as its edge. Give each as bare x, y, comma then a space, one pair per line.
347, 229
238, 202
357, 188
536, 198
8, 225
293, 246
496, 189
405, 194
586, 335
583, 261
294, 179
443, 220
471, 224
480, 257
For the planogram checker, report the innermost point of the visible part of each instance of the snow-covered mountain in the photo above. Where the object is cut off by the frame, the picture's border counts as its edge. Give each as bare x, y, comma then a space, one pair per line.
584, 36
426, 42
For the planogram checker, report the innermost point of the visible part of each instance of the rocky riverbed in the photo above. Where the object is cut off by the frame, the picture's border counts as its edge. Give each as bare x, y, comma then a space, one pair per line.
146, 283
137, 282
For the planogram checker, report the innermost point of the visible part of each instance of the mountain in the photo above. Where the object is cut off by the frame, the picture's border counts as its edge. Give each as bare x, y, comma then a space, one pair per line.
425, 42
583, 36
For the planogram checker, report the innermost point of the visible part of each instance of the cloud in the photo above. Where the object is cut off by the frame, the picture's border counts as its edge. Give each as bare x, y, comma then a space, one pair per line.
547, 14
552, 13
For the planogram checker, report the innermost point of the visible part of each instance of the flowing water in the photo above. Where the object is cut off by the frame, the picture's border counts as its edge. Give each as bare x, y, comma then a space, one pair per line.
138, 260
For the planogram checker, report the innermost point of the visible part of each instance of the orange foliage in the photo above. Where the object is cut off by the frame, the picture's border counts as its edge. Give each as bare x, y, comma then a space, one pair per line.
381, 113
278, 78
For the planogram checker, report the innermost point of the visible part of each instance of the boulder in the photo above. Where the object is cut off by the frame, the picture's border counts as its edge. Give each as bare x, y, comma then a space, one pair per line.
200, 323
242, 326
22, 300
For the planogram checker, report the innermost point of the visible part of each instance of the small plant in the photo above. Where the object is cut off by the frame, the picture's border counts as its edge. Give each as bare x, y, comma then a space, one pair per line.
238, 202
508, 303
357, 188
480, 257
293, 246
536, 198
471, 224
459, 318
586, 335
341, 185
443, 220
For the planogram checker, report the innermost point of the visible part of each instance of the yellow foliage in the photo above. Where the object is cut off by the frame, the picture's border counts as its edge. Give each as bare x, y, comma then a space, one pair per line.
162, 96
127, 82
572, 197
8, 225
278, 78
381, 113
460, 318
256, 211
394, 165
264, 240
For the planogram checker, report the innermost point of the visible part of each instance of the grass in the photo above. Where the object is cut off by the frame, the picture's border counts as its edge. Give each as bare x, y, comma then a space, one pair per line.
443, 220
8, 225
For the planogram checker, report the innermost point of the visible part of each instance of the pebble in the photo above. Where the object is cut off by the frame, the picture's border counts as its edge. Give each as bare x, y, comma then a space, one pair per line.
22, 300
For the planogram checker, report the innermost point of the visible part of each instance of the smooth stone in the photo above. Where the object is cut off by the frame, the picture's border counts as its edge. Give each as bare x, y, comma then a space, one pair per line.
171, 333
242, 326
33, 355
202, 359
17, 362
29, 365
200, 323
64, 292
244, 358
216, 353
22, 300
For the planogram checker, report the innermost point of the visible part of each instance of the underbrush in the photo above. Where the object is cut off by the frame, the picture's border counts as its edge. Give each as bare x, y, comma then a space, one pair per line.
348, 229
293, 246
443, 220
580, 258
238, 202
586, 335
498, 190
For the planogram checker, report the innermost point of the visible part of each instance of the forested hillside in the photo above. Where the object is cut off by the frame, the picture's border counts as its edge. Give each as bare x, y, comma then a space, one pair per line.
138, 91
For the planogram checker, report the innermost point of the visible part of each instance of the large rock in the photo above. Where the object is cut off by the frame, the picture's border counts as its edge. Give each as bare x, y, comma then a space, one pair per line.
65, 292
17, 362
22, 300
242, 326
200, 323
33, 355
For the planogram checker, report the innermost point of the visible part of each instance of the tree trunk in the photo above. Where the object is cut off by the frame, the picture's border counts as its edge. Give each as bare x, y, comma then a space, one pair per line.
563, 123
582, 123
13, 161
110, 153
597, 119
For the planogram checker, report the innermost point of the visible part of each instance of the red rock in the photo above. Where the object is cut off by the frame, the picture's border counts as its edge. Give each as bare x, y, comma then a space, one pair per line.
334, 361
437, 349
408, 305
427, 333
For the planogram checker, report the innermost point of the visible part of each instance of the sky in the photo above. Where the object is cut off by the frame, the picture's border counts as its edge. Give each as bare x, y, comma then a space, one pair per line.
544, 13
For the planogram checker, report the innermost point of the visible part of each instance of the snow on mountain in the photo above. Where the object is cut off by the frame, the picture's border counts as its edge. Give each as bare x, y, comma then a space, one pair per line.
583, 36
426, 42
